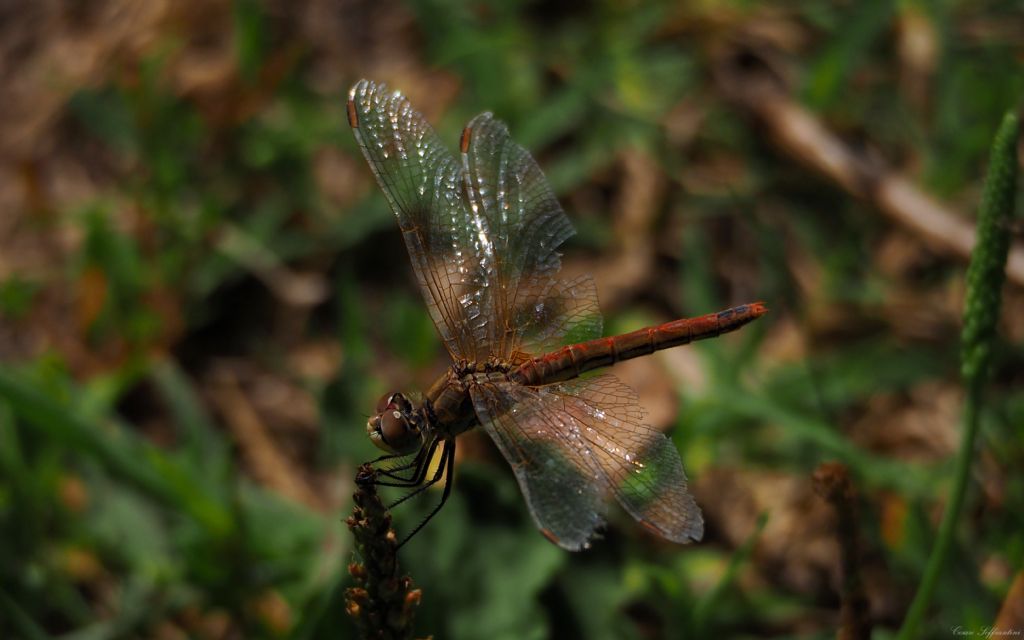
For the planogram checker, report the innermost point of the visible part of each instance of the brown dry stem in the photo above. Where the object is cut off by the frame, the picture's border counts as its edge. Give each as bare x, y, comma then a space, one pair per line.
749, 81
832, 482
1011, 614
257, 446
382, 604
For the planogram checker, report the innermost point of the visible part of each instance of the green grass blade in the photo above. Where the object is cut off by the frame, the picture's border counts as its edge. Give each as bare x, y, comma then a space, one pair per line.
143, 465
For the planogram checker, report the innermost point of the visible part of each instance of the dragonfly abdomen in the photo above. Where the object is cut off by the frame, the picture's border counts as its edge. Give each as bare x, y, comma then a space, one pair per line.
572, 360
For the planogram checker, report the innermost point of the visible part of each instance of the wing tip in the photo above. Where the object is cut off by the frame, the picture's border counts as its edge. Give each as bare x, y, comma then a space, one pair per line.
694, 532
564, 544
353, 116
552, 538
359, 88
359, 91
479, 121
368, 94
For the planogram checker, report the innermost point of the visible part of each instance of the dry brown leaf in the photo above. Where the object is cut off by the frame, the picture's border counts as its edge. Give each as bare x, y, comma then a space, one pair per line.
260, 452
921, 426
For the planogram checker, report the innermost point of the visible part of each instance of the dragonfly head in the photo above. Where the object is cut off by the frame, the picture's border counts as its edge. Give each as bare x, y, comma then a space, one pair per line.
396, 427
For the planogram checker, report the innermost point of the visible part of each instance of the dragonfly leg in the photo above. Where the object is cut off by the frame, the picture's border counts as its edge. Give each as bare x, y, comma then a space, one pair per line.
420, 465
445, 454
414, 465
395, 456
448, 462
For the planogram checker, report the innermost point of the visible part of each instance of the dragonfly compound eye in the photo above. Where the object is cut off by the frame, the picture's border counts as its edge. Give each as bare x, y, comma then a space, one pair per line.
383, 403
396, 432
393, 427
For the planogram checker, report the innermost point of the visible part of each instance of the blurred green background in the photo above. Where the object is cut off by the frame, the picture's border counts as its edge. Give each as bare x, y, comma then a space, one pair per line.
203, 293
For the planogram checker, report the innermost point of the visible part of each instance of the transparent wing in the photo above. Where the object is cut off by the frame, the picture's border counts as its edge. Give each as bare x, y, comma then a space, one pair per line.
423, 183
574, 445
564, 312
531, 310
641, 464
482, 234
566, 500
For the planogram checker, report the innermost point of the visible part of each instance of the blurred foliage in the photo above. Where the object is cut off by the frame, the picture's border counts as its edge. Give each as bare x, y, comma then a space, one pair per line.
202, 295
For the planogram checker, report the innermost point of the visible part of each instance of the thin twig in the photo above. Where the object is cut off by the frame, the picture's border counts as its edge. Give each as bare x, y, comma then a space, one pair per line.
832, 482
383, 603
257, 446
749, 82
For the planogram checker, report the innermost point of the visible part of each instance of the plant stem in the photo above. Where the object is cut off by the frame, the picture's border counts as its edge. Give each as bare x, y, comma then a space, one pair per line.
985, 277
930, 579
383, 603
832, 482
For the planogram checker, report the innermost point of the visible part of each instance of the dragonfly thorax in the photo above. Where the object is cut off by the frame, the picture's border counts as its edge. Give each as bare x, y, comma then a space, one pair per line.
397, 426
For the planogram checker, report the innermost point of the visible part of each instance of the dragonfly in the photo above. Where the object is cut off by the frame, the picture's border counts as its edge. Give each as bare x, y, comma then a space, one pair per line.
483, 229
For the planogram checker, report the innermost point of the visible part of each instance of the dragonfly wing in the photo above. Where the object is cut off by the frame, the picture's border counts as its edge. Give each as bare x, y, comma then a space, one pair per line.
566, 500
482, 233
573, 445
528, 308
640, 464
423, 183
563, 312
